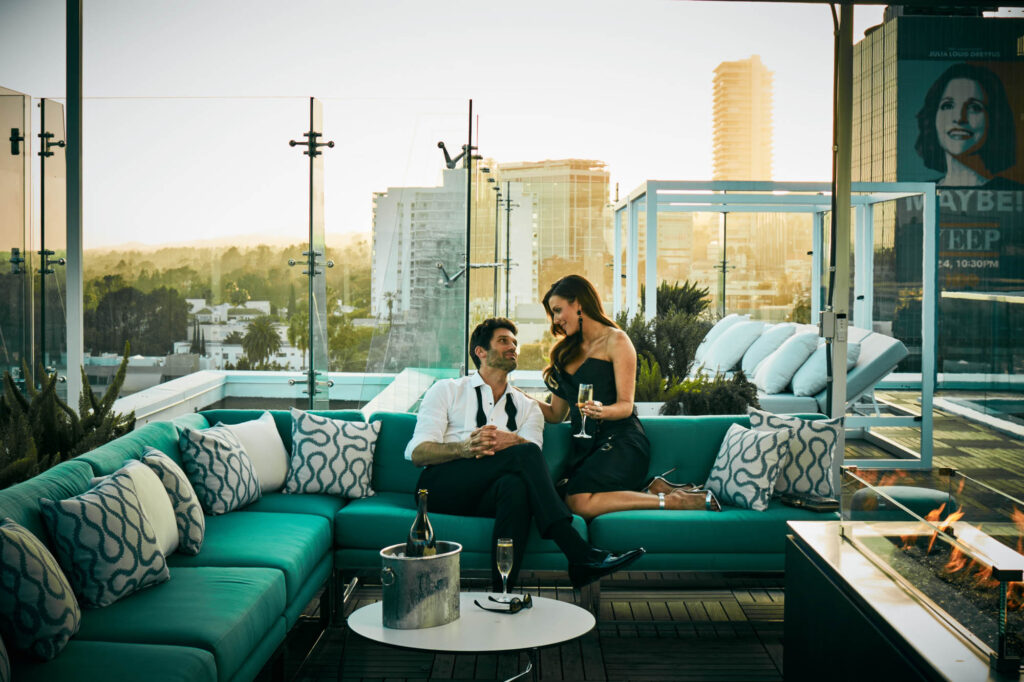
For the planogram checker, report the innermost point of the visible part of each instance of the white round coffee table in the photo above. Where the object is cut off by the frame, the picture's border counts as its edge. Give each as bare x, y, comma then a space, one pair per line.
477, 631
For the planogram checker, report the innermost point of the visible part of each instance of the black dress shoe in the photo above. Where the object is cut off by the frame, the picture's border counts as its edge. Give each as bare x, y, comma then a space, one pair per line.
585, 572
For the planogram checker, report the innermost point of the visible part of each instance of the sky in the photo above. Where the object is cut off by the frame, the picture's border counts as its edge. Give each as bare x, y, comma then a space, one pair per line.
190, 104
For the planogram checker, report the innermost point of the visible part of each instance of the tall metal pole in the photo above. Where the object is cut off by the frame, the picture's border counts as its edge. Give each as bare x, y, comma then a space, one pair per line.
497, 223
840, 295
73, 157
508, 240
467, 162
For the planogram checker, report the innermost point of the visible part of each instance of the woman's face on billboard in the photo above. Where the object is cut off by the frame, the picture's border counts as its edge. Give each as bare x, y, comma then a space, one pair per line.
961, 121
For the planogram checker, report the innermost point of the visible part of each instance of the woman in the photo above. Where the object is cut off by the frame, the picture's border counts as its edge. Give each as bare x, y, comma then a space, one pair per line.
605, 471
966, 129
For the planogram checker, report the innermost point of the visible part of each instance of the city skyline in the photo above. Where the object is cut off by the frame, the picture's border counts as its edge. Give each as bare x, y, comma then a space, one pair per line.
191, 109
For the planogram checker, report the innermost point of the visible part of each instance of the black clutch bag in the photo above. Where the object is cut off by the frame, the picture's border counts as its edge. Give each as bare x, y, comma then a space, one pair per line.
815, 503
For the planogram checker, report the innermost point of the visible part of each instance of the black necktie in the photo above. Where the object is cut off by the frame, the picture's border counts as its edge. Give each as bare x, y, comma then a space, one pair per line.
510, 410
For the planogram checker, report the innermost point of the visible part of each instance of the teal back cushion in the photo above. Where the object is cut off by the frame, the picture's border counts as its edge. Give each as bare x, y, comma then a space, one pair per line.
689, 443
392, 472
108, 458
20, 502
282, 419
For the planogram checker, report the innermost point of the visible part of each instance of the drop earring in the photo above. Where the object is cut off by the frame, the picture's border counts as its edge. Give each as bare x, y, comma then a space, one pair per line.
579, 319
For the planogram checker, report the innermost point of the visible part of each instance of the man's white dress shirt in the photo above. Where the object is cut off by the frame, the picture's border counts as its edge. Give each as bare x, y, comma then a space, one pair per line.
448, 413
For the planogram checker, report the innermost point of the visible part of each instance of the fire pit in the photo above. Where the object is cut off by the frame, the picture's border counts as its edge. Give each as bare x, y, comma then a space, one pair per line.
963, 558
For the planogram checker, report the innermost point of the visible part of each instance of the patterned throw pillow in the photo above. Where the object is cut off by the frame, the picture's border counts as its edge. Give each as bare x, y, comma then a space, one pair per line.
331, 456
104, 542
188, 515
807, 469
38, 610
5, 664
747, 465
218, 468
156, 506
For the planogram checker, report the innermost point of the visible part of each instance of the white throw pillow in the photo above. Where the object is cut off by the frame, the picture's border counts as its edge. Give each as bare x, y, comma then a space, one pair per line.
714, 333
766, 344
156, 505
729, 347
775, 371
811, 378
263, 444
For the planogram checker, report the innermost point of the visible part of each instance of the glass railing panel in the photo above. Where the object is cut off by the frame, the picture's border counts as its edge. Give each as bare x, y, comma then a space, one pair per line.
188, 238
15, 245
51, 244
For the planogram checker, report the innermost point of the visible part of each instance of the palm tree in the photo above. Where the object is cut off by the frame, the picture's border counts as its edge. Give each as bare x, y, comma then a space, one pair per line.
261, 341
298, 330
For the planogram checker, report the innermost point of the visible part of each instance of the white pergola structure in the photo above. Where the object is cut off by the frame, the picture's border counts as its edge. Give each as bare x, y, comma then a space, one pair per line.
660, 196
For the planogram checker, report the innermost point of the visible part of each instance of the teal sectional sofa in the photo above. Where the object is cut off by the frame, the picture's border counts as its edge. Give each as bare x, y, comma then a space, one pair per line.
226, 611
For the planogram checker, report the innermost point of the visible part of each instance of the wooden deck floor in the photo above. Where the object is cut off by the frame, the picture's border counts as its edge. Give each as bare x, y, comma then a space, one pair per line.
660, 626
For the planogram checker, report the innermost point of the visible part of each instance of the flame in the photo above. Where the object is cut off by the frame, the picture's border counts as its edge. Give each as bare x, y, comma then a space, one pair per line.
1018, 520
984, 578
945, 524
957, 561
1015, 596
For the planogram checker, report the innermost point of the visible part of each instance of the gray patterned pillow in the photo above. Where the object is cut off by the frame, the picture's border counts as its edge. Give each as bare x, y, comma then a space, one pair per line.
331, 456
218, 468
747, 466
187, 513
807, 469
5, 664
104, 542
38, 610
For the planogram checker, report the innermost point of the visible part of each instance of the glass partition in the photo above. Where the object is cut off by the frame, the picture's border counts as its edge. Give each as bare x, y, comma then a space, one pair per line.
51, 244
15, 243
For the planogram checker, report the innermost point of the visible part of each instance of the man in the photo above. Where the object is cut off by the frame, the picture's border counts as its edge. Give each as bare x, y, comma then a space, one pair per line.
480, 443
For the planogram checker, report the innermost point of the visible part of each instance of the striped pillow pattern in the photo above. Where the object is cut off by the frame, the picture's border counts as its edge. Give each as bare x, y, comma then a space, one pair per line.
104, 541
807, 469
38, 609
331, 456
747, 465
218, 468
188, 515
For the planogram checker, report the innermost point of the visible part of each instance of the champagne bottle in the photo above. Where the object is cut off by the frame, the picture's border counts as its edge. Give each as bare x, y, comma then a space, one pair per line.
421, 540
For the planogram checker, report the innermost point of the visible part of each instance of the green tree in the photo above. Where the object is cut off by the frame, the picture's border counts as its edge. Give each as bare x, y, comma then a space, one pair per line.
298, 330
261, 341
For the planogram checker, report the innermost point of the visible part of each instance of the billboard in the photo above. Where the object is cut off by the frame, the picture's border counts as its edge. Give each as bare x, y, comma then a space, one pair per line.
961, 125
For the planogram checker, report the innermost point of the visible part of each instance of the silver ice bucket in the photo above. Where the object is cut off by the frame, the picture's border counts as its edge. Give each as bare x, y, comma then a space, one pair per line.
420, 592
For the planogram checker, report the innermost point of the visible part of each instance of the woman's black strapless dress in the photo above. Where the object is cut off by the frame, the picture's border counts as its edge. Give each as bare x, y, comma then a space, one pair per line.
618, 455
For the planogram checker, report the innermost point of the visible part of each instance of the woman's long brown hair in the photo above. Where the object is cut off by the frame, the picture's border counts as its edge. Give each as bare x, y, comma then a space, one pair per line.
574, 289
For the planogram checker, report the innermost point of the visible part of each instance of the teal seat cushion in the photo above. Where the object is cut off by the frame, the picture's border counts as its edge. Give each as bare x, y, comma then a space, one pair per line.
291, 543
225, 611
731, 530
84, 661
373, 523
314, 503
876, 504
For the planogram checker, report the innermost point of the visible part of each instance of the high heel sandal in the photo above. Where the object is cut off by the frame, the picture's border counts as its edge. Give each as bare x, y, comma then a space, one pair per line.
660, 484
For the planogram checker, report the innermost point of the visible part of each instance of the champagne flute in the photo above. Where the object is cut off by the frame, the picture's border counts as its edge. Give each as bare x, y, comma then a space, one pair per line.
504, 562
585, 395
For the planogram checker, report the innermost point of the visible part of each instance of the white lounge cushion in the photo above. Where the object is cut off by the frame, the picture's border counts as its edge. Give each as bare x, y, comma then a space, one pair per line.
263, 444
811, 378
771, 338
714, 333
776, 371
727, 350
